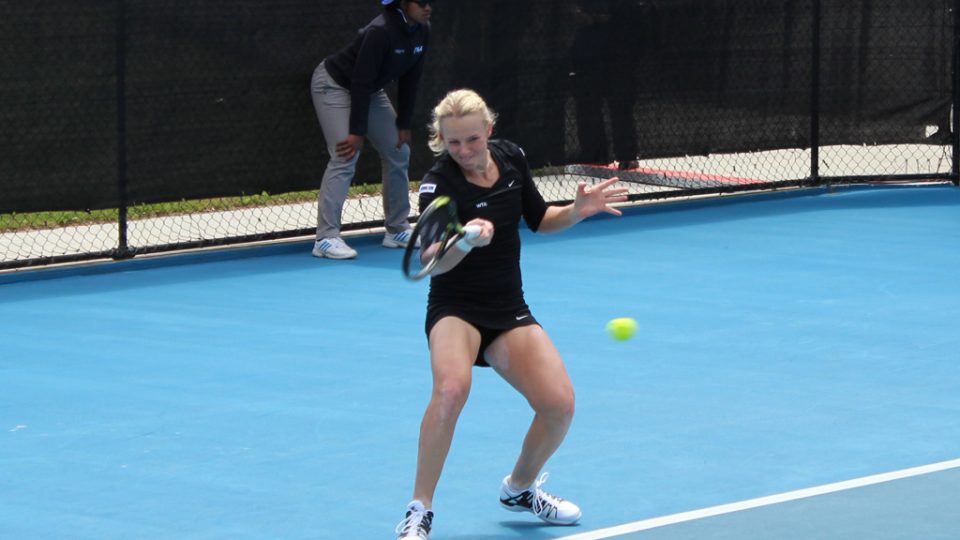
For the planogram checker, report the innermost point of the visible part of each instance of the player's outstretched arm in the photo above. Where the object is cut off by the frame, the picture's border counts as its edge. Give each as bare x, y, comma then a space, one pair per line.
589, 201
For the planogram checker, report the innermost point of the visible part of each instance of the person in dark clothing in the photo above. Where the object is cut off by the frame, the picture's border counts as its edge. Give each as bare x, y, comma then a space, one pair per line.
608, 45
351, 104
477, 314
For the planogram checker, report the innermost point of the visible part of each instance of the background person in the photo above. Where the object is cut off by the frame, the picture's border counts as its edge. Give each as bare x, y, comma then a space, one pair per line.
351, 104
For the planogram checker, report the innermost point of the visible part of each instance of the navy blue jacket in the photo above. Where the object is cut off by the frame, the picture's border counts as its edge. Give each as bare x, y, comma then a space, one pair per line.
386, 49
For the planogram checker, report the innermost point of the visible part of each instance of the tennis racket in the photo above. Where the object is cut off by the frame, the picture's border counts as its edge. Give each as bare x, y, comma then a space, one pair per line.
438, 229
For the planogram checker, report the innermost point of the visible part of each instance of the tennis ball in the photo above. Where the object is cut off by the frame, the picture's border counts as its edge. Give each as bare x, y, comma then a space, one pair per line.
622, 329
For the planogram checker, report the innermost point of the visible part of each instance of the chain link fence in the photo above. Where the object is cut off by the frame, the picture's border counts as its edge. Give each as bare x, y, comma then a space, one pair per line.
136, 126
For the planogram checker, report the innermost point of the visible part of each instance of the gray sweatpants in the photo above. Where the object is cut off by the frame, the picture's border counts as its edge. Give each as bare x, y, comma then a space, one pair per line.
332, 103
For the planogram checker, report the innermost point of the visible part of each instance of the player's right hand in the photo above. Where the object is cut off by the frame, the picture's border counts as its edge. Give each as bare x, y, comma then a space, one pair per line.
486, 232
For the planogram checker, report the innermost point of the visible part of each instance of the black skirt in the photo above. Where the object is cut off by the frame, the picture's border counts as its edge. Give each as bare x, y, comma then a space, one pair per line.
489, 322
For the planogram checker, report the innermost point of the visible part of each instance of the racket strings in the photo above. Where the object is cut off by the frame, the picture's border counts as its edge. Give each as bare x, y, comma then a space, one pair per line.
432, 230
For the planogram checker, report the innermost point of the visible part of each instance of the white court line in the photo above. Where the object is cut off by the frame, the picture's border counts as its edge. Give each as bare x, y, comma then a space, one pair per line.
762, 501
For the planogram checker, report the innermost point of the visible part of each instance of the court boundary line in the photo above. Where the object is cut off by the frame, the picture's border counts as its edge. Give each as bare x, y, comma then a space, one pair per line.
759, 502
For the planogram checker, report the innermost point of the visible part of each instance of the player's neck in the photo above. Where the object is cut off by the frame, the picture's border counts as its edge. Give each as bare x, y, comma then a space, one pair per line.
485, 176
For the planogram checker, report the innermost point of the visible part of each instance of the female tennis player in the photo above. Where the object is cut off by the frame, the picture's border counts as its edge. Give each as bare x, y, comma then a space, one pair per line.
476, 313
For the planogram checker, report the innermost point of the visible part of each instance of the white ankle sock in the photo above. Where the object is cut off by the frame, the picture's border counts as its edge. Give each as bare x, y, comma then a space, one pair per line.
513, 491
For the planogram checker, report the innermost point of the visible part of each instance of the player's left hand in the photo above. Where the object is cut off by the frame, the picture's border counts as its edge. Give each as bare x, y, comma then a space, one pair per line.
597, 198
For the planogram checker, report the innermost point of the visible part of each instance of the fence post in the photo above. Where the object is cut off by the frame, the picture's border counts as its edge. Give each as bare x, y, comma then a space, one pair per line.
123, 250
955, 172
815, 93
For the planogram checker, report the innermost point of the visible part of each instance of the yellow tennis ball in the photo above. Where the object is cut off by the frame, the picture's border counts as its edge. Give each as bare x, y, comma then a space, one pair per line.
622, 329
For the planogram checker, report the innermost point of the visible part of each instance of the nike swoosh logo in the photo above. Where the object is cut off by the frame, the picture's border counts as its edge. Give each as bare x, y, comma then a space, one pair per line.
521, 317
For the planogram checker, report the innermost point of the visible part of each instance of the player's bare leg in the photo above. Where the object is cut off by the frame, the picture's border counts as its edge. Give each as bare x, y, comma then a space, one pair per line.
453, 349
528, 360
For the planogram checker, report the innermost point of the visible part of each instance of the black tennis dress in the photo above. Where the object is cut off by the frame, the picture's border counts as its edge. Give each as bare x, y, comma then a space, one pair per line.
486, 288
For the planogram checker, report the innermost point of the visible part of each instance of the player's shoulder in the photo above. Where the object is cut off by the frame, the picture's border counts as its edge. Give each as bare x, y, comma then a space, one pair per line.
429, 186
507, 148
438, 177
509, 152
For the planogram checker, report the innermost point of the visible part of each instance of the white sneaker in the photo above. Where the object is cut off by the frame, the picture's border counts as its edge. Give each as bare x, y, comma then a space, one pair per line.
333, 248
416, 525
398, 240
545, 506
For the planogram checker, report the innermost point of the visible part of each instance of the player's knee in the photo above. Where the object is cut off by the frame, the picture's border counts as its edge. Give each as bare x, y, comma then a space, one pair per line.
558, 407
567, 406
451, 394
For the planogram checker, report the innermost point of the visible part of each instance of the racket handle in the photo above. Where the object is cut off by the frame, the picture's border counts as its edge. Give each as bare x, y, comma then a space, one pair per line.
469, 233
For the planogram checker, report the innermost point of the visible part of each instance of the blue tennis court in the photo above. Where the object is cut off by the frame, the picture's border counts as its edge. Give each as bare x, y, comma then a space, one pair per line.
797, 371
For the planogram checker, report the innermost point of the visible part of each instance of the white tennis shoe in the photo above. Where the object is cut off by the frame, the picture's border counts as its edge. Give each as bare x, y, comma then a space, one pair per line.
333, 248
416, 524
545, 506
398, 240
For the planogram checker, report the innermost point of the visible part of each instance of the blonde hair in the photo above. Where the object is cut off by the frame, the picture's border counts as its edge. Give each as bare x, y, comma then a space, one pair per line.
457, 104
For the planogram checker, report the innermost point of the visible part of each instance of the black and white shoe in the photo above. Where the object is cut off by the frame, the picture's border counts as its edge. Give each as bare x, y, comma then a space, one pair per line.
545, 506
416, 524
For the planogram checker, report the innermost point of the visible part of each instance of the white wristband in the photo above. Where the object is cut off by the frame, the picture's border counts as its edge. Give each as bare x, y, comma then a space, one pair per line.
464, 244
469, 233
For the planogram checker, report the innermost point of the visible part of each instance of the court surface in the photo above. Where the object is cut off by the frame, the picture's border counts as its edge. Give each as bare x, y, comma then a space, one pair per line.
797, 361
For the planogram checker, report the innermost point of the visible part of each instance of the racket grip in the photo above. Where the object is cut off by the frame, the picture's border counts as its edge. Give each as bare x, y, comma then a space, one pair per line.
469, 233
